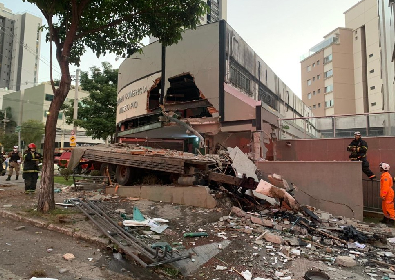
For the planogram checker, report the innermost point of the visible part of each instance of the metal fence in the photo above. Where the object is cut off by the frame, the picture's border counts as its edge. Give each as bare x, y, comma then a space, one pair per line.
338, 126
371, 195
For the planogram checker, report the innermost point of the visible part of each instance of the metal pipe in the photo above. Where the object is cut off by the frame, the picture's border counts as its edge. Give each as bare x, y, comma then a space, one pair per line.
345, 115
133, 239
127, 250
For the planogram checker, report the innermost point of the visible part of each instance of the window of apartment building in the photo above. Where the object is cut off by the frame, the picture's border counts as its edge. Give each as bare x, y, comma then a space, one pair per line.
314, 92
371, 71
309, 96
314, 106
329, 103
328, 74
319, 91
328, 58
319, 105
370, 55
318, 62
329, 88
48, 97
313, 79
309, 68
373, 104
314, 64
318, 77
309, 82
372, 87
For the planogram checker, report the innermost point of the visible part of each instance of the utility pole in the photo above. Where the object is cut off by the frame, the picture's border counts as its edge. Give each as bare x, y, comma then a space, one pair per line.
77, 75
20, 119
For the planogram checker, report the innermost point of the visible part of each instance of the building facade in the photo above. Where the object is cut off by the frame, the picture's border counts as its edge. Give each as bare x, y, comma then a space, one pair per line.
328, 75
33, 104
220, 89
20, 40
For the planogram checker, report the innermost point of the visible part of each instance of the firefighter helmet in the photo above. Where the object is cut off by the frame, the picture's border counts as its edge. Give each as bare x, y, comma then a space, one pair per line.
385, 166
31, 146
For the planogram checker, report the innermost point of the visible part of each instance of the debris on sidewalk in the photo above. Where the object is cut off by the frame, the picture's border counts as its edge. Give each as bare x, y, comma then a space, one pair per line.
68, 256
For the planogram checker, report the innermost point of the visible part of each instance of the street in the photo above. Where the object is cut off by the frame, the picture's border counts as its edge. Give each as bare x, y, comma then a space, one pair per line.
32, 251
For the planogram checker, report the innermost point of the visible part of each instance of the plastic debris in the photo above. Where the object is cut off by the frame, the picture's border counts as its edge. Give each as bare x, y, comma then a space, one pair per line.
195, 234
137, 216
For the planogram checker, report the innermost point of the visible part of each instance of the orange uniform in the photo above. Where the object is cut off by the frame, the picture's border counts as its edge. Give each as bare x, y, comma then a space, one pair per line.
387, 195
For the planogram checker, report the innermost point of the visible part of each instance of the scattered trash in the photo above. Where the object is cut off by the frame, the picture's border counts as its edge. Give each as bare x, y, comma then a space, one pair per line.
220, 268
247, 275
137, 216
34, 278
19, 228
195, 234
49, 250
7, 206
57, 190
63, 270
68, 257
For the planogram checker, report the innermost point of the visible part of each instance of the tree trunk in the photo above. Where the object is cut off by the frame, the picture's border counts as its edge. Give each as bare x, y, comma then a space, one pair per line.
46, 199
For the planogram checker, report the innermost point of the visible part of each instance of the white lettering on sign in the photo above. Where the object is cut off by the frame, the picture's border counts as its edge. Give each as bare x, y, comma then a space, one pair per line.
132, 93
128, 107
132, 100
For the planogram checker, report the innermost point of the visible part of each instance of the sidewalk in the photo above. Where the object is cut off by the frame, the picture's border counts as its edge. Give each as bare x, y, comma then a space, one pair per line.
18, 206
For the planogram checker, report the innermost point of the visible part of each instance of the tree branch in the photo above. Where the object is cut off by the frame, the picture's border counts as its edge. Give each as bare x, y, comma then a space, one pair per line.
100, 28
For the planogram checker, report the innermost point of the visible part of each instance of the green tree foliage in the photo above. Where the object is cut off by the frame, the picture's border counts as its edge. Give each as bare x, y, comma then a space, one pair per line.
6, 115
32, 132
9, 140
116, 26
97, 112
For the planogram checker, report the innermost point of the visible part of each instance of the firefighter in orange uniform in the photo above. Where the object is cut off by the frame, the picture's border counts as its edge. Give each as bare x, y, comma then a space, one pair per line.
387, 194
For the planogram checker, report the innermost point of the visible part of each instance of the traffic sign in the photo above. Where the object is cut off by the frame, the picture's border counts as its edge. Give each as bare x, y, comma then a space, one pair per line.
72, 144
18, 128
72, 139
72, 132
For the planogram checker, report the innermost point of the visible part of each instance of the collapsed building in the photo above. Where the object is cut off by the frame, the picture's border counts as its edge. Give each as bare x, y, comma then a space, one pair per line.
215, 84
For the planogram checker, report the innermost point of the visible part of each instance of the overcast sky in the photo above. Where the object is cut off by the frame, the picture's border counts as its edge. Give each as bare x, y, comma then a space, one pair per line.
279, 32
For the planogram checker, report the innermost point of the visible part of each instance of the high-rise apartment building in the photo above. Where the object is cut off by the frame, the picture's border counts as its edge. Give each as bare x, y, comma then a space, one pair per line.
358, 67
19, 49
217, 10
328, 75
373, 41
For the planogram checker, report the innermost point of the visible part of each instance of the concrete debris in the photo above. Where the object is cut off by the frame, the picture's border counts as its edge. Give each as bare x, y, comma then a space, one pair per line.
242, 164
247, 275
345, 261
63, 270
19, 228
220, 268
68, 256
269, 190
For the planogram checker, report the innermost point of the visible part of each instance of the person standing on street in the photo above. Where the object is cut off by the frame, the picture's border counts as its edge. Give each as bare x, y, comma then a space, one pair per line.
15, 163
387, 194
6, 162
31, 160
358, 149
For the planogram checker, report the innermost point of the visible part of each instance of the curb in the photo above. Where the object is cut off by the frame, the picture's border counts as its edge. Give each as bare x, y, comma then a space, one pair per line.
69, 232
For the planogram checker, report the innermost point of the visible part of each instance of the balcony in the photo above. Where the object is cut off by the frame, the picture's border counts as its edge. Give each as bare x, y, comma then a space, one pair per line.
322, 45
